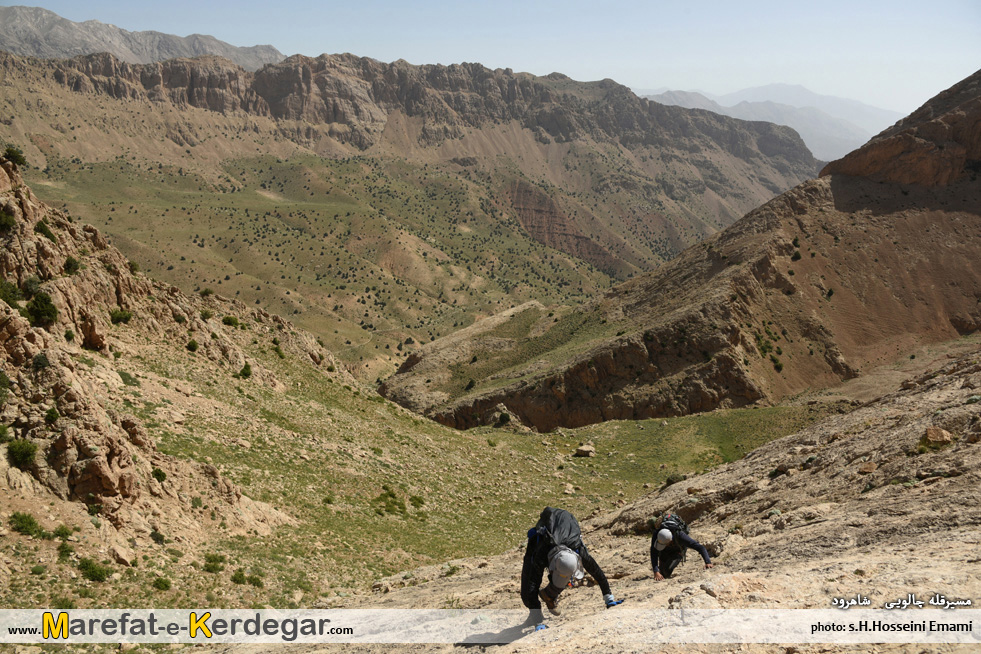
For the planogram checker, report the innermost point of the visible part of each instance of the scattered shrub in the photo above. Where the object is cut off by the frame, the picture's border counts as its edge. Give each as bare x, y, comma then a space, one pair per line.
180, 319
245, 372
10, 294
7, 220
161, 583
213, 563
4, 388
62, 532
93, 571
39, 570
238, 577
134, 267
72, 266
63, 603
255, 580
120, 315
15, 155
157, 537
192, 345
795, 256
159, 475
206, 314
69, 335
205, 292
41, 227
197, 502
25, 523
5, 436
51, 416
41, 311
40, 362
21, 453
31, 286
231, 321
128, 379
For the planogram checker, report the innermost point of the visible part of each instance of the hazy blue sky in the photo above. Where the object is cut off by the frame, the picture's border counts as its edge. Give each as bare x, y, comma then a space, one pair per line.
892, 54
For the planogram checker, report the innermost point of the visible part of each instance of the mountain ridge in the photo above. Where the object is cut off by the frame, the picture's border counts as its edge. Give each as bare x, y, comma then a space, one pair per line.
37, 32
774, 304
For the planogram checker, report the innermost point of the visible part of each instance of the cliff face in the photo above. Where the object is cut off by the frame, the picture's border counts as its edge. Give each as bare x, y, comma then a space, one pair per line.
65, 292
936, 145
358, 94
836, 274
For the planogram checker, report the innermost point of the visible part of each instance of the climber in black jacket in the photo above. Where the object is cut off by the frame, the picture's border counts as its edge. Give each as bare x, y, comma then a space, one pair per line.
668, 550
556, 543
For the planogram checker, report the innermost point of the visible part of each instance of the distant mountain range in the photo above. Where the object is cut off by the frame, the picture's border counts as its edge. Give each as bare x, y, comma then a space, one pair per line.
37, 32
830, 126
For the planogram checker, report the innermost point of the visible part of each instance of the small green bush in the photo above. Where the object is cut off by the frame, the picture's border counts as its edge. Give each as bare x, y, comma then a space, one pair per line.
63, 603
161, 583
120, 315
159, 475
41, 311
255, 581
31, 286
231, 321
93, 571
39, 570
62, 531
5, 436
205, 292
72, 266
213, 563
15, 155
21, 453
25, 523
4, 388
41, 227
238, 577
795, 256
245, 372
134, 267
206, 314
40, 362
128, 379
51, 416
7, 221
10, 294
197, 502
157, 537
69, 335
192, 345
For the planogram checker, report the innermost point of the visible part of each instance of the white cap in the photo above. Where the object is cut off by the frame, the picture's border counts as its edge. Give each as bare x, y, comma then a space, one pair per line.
563, 566
664, 539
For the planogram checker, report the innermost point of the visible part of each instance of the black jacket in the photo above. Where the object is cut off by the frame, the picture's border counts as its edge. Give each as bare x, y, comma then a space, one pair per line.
555, 527
675, 549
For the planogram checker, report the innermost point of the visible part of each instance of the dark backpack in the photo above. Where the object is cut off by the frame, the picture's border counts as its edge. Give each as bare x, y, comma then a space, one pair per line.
673, 523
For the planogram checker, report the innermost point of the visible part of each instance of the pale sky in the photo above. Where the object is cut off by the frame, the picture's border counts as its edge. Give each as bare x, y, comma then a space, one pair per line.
891, 54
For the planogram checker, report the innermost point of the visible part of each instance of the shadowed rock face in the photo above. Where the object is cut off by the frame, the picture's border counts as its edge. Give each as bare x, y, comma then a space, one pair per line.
836, 274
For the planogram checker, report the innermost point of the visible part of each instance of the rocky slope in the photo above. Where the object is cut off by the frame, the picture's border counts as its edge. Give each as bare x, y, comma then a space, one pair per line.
36, 32
839, 273
65, 291
882, 502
